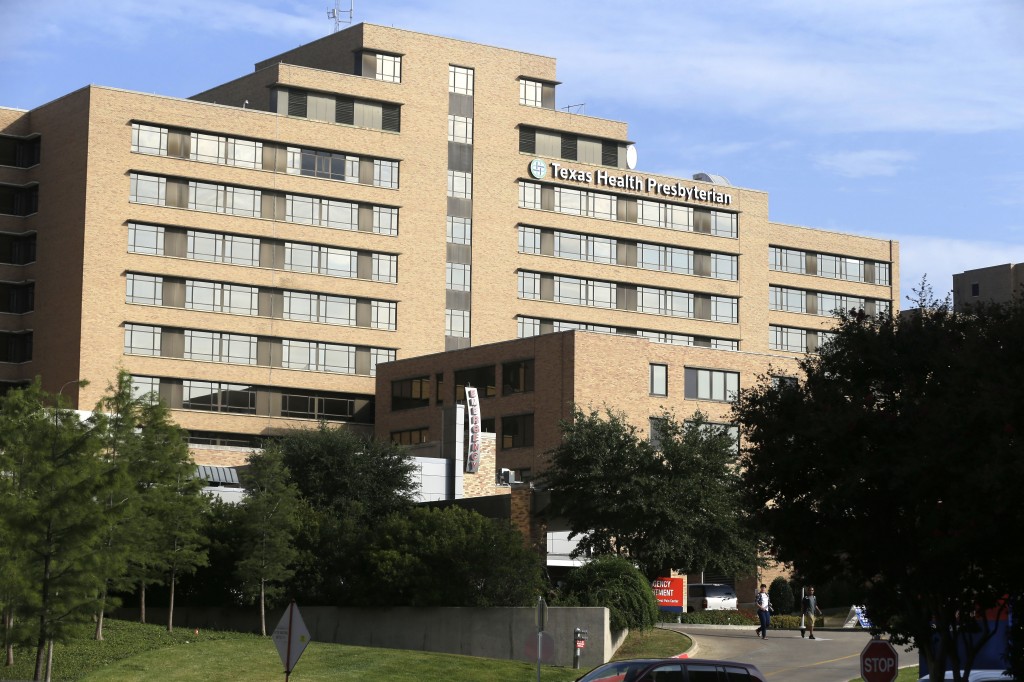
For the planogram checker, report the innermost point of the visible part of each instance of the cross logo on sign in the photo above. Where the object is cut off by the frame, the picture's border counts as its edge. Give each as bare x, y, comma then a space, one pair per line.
879, 662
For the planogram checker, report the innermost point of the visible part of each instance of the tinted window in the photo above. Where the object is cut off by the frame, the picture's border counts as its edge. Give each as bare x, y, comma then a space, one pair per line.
701, 673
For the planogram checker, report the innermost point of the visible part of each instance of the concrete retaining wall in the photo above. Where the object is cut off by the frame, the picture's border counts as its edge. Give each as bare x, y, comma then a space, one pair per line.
503, 633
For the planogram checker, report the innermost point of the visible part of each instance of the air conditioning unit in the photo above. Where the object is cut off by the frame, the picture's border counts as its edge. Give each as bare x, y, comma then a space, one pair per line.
506, 477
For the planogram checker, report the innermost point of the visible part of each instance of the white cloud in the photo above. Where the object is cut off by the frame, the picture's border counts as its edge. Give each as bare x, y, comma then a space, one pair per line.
864, 163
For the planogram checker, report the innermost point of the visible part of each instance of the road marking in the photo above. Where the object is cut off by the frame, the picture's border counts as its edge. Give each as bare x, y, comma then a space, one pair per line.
804, 667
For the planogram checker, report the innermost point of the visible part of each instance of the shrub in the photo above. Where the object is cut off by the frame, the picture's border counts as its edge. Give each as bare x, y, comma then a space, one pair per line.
615, 583
720, 618
781, 595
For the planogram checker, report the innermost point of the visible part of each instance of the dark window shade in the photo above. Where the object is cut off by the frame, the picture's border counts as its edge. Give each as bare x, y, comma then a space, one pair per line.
528, 140
391, 117
344, 110
297, 103
609, 154
19, 152
20, 201
568, 147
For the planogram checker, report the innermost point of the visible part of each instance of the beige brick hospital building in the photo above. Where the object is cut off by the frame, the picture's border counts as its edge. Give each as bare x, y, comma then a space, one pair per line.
255, 253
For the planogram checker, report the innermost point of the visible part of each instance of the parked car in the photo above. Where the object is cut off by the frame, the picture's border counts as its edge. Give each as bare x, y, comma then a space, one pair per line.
673, 670
977, 676
710, 597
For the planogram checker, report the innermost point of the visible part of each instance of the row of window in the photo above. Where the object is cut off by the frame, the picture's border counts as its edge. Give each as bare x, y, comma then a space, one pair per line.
698, 384
18, 200
535, 240
254, 203
17, 249
380, 66
626, 209
532, 326
796, 340
571, 147
825, 265
245, 349
822, 303
600, 294
252, 251
229, 398
319, 106
517, 376
241, 299
245, 153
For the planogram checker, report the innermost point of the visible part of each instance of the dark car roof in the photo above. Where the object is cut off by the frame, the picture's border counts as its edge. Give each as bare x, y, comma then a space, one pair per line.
689, 661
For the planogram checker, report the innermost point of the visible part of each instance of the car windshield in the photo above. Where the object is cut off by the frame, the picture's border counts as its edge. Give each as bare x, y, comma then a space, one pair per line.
617, 671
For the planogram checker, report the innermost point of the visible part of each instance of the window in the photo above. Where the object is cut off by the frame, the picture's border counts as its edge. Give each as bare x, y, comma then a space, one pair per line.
460, 80
585, 247
666, 337
220, 347
460, 184
828, 303
318, 356
140, 339
787, 339
459, 230
145, 386
482, 378
223, 248
149, 139
724, 309
456, 323
379, 355
410, 436
788, 300
723, 224
723, 266
221, 298
324, 260
145, 239
784, 382
457, 276
385, 268
838, 267
460, 129
730, 430
407, 394
664, 302
147, 189
528, 327
529, 239
212, 396
576, 291
389, 68
245, 153
307, 307
882, 275
659, 379
208, 148
383, 315
655, 431
725, 344
711, 384
385, 173
385, 220
563, 326
664, 258
314, 405
583, 203
529, 195
529, 285
787, 260
321, 164
517, 432
530, 93
517, 377
145, 289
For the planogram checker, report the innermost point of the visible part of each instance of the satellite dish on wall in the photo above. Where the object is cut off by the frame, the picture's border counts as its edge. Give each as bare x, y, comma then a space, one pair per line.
631, 157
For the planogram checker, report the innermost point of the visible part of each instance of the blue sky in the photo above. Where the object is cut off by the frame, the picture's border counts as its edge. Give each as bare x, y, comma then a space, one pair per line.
902, 120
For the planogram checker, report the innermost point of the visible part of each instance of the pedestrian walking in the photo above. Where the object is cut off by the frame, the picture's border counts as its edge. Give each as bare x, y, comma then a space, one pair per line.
763, 611
809, 608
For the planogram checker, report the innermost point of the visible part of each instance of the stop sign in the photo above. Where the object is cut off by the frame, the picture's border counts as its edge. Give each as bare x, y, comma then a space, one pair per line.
878, 662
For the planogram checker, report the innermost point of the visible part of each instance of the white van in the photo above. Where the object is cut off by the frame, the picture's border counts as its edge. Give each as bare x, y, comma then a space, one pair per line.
710, 597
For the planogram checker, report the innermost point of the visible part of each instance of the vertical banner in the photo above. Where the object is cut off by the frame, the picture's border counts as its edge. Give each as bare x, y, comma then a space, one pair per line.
473, 407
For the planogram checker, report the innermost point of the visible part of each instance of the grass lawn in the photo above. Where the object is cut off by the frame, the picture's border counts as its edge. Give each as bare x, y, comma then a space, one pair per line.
146, 652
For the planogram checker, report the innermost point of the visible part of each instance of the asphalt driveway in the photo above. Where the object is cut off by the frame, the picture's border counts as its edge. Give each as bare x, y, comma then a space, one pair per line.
833, 656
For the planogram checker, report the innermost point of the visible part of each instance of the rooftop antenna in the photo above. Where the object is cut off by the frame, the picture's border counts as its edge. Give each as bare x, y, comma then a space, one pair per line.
338, 14
575, 108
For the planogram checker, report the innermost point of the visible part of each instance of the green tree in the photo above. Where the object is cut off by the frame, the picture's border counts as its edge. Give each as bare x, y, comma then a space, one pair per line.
885, 466
672, 506
269, 517
349, 483
448, 557
180, 543
616, 584
51, 512
781, 596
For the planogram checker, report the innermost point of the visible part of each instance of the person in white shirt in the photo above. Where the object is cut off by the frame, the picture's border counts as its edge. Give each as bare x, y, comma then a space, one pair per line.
763, 614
